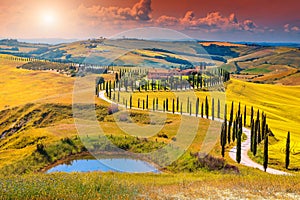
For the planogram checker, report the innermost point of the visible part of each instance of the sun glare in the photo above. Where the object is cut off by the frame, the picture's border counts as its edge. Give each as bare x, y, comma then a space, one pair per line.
48, 18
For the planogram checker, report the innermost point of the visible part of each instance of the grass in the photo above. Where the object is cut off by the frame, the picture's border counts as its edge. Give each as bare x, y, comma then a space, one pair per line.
97, 185
257, 71
19, 153
66, 186
280, 103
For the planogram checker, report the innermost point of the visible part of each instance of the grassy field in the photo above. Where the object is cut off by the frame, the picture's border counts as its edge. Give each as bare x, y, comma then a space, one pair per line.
280, 103
202, 185
49, 121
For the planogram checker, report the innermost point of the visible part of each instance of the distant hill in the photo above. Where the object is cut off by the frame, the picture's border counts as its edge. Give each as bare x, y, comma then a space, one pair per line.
255, 62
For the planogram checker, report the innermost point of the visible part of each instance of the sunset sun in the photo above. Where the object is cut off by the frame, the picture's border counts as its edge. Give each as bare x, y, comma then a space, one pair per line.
48, 18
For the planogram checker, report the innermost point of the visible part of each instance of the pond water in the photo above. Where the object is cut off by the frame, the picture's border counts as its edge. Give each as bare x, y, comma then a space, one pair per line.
114, 164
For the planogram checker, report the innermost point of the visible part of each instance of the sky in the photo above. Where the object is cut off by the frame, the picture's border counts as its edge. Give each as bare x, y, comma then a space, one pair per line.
220, 20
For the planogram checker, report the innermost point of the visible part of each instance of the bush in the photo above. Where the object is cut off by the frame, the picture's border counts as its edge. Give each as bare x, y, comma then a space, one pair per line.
113, 109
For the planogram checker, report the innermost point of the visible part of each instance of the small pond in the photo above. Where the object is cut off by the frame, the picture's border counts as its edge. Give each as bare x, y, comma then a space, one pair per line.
113, 164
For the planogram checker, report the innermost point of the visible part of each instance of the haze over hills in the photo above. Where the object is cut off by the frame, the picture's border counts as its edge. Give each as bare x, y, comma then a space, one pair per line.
256, 62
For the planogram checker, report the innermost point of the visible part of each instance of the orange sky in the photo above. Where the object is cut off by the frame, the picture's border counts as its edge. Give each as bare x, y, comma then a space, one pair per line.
243, 20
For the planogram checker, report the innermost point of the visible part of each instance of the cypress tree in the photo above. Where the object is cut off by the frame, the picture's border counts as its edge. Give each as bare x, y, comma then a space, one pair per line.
213, 109
252, 135
258, 133
177, 104
230, 123
231, 113
266, 143
239, 109
167, 104
239, 146
255, 137
130, 102
252, 114
157, 103
197, 107
222, 140
138, 102
245, 115
143, 104
153, 104
147, 102
173, 106
190, 108
106, 88
287, 151
206, 107
219, 109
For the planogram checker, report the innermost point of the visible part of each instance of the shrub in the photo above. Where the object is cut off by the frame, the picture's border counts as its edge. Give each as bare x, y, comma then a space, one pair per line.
113, 109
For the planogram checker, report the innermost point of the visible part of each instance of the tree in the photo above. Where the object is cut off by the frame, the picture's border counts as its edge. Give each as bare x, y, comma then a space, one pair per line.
255, 137
245, 115
223, 139
230, 123
147, 102
213, 109
206, 107
117, 77
252, 113
252, 135
287, 151
219, 109
130, 102
239, 146
173, 106
266, 153
167, 104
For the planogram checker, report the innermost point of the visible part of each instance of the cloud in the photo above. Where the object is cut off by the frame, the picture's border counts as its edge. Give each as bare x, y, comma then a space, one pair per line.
212, 22
288, 28
141, 11
249, 25
167, 21
295, 28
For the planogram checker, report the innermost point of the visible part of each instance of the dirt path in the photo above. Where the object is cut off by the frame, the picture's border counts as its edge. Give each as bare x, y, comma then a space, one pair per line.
245, 160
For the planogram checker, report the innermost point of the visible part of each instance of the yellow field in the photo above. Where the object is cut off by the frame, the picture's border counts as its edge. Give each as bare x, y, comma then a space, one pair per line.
280, 103
19, 86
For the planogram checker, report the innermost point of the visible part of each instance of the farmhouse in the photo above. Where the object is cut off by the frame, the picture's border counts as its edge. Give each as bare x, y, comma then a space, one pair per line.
162, 73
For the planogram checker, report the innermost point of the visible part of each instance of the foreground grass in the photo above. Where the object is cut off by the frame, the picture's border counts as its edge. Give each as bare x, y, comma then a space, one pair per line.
98, 185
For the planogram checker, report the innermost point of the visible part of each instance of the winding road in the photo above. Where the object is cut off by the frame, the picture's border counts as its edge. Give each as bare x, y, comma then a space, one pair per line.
245, 159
